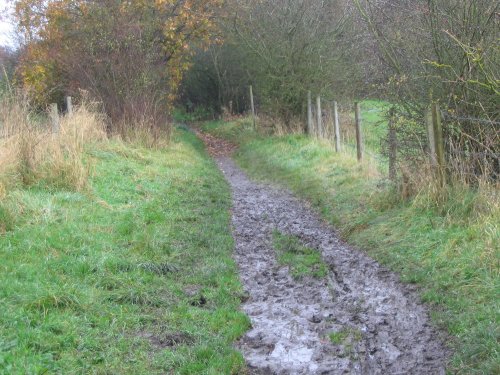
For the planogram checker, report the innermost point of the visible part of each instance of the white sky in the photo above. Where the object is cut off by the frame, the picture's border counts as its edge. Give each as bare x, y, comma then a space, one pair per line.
7, 33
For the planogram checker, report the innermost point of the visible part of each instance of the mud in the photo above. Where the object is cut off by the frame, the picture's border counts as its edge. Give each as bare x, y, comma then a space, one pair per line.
383, 327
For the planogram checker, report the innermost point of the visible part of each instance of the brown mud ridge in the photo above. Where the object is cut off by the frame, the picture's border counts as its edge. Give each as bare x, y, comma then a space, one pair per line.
382, 327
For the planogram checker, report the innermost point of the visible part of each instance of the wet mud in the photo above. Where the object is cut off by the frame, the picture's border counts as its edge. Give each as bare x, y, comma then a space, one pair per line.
358, 320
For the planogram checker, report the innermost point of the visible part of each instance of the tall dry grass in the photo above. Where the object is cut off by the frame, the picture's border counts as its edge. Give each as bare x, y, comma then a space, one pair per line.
31, 153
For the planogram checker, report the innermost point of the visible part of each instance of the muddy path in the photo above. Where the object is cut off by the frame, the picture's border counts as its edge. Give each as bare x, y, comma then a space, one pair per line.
383, 327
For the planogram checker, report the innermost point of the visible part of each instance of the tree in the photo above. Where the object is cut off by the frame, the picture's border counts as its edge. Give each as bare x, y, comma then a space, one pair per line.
284, 48
129, 55
444, 51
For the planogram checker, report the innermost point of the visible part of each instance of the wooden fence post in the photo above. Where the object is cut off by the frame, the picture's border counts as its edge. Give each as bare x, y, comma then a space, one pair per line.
359, 137
69, 105
430, 135
54, 118
439, 144
393, 146
253, 107
319, 118
309, 114
336, 126
330, 130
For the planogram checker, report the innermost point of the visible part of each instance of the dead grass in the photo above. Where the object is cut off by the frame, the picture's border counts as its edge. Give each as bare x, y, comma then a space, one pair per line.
31, 153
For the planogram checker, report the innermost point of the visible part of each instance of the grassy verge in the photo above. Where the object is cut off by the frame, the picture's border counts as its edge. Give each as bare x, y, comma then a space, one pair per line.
374, 124
450, 250
303, 261
132, 276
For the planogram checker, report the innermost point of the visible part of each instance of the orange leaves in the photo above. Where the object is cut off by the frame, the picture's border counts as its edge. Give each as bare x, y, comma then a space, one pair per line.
66, 35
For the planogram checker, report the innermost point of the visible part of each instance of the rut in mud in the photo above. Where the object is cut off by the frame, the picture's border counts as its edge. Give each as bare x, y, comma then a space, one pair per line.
383, 329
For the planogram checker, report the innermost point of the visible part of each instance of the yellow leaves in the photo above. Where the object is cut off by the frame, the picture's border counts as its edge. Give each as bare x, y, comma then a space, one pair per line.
36, 77
60, 30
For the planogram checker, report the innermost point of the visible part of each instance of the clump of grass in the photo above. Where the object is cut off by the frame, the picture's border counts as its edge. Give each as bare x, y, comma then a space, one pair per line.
61, 300
135, 297
338, 338
345, 336
31, 154
302, 260
235, 131
159, 268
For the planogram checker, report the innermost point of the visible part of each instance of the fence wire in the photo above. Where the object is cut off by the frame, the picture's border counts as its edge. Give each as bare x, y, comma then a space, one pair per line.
472, 150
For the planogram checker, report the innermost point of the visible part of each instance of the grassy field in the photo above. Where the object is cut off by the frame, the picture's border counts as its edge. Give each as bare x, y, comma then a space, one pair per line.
132, 276
450, 250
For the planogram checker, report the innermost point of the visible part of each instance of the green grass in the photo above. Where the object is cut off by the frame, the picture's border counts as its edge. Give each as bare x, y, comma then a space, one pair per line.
345, 336
339, 337
133, 277
450, 250
374, 124
302, 260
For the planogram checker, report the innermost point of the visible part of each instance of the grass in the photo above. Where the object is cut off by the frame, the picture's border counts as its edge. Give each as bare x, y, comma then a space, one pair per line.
302, 260
347, 338
374, 124
345, 335
32, 154
339, 337
133, 275
450, 250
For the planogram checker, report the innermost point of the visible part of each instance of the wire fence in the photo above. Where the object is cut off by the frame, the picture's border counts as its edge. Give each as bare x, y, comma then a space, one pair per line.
452, 145
455, 146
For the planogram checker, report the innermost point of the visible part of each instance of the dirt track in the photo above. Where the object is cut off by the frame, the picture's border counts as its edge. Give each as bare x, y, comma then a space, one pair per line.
386, 329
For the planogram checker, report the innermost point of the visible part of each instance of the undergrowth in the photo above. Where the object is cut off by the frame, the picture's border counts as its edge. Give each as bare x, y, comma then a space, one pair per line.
446, 241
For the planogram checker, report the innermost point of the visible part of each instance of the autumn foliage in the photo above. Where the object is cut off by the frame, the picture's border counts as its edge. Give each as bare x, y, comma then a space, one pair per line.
130, 55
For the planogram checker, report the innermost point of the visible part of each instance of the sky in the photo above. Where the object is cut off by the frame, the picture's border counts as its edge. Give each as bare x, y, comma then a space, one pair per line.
7, 34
